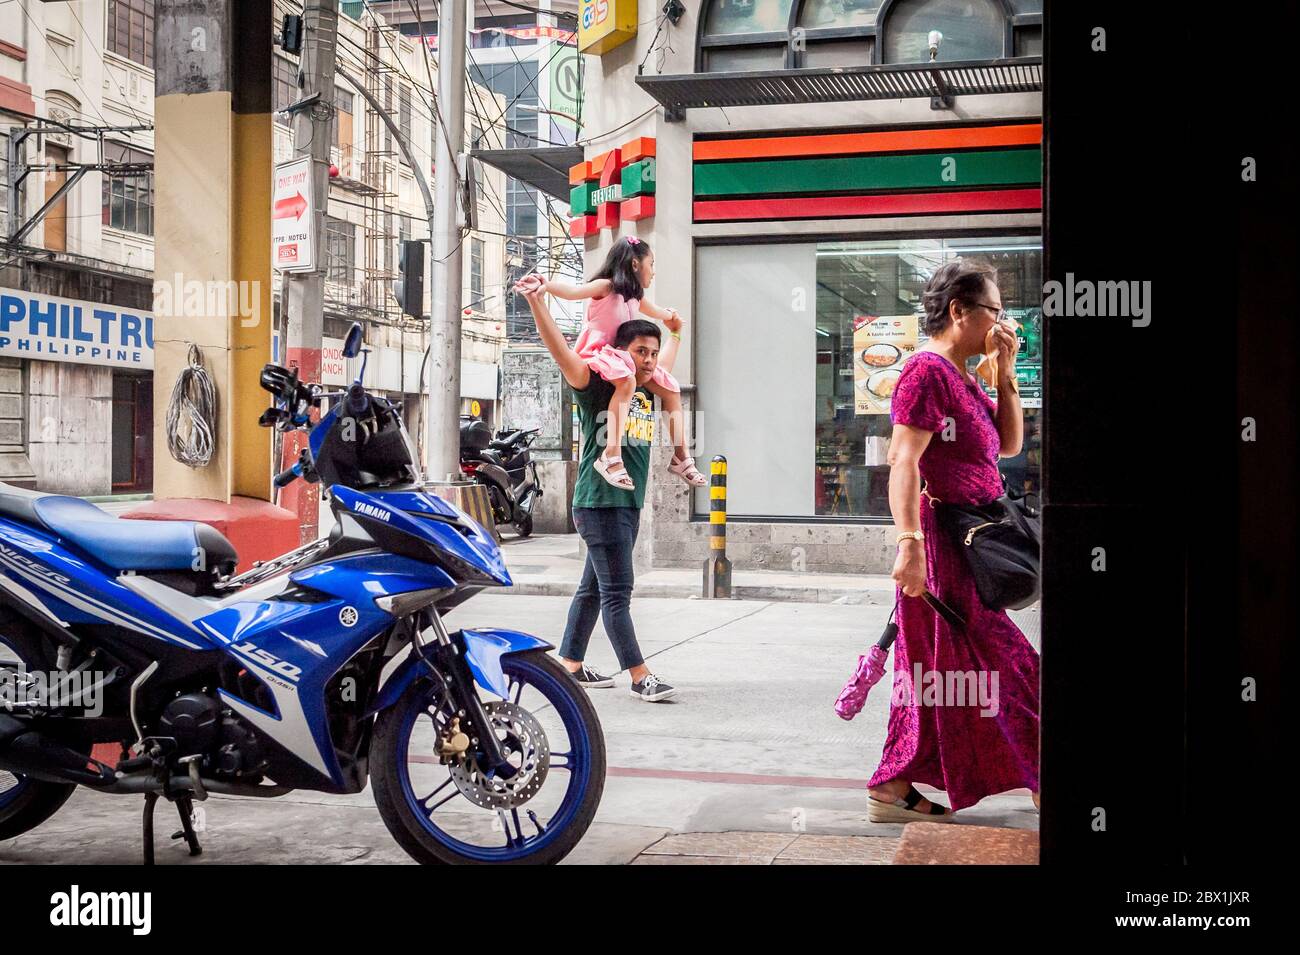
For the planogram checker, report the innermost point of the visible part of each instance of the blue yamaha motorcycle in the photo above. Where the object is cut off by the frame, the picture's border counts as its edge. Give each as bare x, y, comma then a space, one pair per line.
323, 668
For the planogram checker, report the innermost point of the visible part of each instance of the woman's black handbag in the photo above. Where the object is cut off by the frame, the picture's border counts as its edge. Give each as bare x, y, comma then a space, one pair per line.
1002, 541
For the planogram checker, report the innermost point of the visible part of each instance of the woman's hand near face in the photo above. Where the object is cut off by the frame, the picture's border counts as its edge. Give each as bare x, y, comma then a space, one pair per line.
1007, 345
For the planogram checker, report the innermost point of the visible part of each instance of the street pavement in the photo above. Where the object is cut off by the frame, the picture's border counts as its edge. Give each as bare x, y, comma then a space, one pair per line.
748, 764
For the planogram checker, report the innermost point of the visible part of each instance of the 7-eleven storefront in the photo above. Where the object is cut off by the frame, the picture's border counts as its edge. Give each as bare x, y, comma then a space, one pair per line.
797, 241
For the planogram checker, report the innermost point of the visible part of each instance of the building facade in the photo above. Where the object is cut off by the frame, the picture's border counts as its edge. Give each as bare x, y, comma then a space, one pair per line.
809, 166
77, 266
526, 55
376, 203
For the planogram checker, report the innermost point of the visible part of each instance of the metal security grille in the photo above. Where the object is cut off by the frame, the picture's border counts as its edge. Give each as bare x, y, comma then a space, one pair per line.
845, 84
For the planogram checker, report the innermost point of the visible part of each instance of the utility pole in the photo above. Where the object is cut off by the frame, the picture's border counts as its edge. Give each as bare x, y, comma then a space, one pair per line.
304, 292
442, 424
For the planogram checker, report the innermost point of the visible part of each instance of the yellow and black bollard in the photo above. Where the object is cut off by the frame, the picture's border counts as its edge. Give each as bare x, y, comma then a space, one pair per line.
717, 569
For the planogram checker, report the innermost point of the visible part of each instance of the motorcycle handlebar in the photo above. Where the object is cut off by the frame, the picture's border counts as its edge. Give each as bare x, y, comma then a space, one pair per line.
287, 476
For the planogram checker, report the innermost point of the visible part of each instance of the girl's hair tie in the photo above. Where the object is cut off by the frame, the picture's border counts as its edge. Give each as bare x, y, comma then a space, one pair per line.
632, 240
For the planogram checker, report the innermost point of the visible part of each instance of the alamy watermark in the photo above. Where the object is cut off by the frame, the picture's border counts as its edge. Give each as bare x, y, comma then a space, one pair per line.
1084, 298
176, 297
947, 688
52, 689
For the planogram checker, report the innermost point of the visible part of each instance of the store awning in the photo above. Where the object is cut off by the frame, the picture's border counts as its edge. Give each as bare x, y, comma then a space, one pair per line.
546, 168
939, 81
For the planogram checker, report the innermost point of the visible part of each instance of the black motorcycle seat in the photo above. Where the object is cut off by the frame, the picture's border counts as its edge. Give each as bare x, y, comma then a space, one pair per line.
486, 455
506, 443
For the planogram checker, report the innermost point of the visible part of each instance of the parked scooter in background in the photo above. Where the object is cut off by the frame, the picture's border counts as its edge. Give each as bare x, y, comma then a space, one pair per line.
505, 466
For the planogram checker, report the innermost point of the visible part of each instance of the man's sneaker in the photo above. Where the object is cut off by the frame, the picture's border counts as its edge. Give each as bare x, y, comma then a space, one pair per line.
652, 690
589, 678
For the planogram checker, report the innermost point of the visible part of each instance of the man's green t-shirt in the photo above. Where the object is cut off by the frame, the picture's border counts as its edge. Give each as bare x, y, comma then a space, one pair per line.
592, 490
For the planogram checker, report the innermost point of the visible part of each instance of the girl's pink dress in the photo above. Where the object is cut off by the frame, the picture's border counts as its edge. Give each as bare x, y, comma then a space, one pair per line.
604, 316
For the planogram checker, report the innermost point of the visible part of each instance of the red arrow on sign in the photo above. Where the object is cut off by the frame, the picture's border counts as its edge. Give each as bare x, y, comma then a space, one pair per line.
292, 208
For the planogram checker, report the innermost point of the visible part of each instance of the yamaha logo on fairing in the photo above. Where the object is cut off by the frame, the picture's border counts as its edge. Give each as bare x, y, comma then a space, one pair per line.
348, 616
378, 513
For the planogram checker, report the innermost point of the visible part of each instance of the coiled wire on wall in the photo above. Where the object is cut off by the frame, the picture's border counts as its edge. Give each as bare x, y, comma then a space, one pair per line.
192, 414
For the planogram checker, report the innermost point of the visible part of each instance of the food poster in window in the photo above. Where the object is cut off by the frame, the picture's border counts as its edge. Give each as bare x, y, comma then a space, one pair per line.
880, 346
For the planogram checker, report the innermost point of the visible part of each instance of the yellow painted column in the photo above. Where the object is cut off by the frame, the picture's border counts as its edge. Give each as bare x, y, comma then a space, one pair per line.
212, 220
212, 263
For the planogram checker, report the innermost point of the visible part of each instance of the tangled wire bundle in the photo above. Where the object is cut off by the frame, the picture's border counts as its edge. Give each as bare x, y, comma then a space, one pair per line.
192, 415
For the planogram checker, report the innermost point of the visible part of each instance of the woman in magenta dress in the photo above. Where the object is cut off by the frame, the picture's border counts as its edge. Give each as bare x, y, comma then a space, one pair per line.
949, 433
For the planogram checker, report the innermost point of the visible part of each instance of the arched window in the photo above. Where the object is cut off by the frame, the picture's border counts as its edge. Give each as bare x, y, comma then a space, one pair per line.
972, 30
747, 35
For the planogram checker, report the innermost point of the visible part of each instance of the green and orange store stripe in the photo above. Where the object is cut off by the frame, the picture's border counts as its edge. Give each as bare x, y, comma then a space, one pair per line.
935, 170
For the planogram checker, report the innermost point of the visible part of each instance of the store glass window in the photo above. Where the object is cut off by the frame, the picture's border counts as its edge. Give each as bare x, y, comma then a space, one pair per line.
972, 30
130, 29
811, 437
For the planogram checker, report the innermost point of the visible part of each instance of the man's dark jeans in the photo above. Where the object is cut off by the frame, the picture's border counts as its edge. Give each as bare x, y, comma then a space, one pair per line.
606, 587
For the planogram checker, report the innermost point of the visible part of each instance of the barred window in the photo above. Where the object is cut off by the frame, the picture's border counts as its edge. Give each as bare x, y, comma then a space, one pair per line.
130, 29
476, 273
404, 112
340, 250
284, 77
4, 175
127, 197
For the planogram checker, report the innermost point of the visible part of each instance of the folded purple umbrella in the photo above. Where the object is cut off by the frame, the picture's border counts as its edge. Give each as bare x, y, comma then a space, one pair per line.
871, 665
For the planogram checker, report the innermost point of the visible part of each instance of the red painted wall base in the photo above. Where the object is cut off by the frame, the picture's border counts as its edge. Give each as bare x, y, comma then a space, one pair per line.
258, 529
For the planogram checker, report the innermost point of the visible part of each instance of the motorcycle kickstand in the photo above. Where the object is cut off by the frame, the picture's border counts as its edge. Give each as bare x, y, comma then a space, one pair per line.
185, 806
150, 800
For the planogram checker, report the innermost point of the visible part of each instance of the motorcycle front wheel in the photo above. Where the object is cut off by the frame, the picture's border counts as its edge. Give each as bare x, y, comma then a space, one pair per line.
450, 812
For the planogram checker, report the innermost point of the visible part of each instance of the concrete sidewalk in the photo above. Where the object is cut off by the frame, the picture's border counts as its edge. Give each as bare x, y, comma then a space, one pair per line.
550, 566
747, 765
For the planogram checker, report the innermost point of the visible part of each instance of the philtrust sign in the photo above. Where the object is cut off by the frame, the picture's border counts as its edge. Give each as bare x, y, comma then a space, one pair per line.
616, 185
59, 329
605, 24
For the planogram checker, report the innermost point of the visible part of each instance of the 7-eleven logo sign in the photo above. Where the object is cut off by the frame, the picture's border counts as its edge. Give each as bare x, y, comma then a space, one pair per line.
619, 184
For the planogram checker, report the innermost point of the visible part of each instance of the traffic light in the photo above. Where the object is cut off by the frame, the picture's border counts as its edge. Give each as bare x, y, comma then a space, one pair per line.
291, 34
408, 288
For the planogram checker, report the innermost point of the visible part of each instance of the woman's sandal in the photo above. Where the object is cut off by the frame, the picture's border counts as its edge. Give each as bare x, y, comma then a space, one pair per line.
612, 470
901, 809
688, 472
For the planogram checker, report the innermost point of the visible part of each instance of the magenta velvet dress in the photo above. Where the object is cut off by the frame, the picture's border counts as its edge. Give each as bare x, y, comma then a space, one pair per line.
955, 748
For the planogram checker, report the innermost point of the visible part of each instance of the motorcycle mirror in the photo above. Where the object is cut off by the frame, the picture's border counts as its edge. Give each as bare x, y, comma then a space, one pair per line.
274, 379
352, 344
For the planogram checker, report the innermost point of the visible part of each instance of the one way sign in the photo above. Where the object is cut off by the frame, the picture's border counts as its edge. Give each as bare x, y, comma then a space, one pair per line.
293, 236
